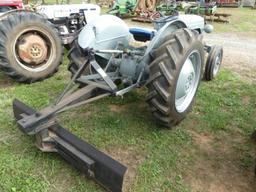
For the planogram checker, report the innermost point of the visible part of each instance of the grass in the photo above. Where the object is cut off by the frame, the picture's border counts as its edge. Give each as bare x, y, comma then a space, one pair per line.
165, 156
242, 22
213, 139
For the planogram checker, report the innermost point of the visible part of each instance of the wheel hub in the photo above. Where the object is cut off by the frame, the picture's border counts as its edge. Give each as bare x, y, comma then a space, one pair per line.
189, 81
186, 79
32, 49
217, 65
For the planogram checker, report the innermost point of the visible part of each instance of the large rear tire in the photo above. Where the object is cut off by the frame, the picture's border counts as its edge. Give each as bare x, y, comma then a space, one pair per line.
175, 73
30, 47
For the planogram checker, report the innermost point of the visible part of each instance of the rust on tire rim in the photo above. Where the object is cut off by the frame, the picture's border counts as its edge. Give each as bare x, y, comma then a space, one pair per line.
32, 49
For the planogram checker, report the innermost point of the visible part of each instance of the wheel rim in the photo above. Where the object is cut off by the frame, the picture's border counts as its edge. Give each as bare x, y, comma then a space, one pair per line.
188, 81
217, 65
34, 49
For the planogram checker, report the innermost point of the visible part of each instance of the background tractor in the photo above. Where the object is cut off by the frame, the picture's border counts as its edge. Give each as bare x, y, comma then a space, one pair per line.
122, 8
104, 62
8, 5
31, 42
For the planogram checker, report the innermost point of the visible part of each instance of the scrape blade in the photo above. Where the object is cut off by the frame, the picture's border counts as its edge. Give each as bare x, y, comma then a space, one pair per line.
105, 170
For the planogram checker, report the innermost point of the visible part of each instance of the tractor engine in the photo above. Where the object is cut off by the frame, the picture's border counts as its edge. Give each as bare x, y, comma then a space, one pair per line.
129, 66
110, 41
106, 32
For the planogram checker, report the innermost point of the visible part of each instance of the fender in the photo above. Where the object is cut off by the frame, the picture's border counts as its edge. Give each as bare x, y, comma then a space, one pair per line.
182, 21
164, 31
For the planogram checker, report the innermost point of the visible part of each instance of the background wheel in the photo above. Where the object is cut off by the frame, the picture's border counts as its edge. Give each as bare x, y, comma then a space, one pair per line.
5, 9
175, 73
77, 58
213, 62
30, 47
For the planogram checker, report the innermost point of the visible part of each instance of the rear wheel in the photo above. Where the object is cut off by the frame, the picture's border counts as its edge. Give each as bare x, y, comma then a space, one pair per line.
175, 74
30, 47
5, 9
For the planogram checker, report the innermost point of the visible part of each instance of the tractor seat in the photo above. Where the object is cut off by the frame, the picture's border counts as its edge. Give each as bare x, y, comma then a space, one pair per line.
142, 34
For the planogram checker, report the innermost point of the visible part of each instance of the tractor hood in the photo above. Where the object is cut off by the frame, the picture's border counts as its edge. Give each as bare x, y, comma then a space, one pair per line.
192, 21
59, 11
104, 32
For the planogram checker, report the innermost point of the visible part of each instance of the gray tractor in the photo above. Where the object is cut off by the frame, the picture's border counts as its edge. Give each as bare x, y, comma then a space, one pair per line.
104, 62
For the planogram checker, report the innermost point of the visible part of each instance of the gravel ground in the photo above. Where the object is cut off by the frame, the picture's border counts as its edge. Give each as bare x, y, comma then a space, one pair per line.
239, 53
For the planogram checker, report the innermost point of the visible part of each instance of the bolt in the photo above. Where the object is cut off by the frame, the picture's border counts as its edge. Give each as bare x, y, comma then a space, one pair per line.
90, 173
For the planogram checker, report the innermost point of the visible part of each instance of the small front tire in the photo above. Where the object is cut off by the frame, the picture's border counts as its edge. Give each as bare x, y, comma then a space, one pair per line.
213, 62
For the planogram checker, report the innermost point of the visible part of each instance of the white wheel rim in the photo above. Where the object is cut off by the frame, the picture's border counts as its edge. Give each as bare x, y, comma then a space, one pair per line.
217, 63
188, 81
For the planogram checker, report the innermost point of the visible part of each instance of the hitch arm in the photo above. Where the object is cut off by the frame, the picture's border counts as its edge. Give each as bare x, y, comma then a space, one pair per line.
43, 119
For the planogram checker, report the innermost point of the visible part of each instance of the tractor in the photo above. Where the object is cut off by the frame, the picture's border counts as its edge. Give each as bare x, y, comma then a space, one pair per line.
8, 5
121, 8
106, 61
31, 41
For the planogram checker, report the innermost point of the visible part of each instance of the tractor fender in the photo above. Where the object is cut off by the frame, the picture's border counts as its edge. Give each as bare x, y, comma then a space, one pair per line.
156, 42
194, 22
164, 31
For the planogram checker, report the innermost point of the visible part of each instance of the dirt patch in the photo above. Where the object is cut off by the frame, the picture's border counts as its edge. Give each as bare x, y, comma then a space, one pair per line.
117, 108
222, 178
130, 158
217, 167
203, 141
246, 100
5, 137
5, 82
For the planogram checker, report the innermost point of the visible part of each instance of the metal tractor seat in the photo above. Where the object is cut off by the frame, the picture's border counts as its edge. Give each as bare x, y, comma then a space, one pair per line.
142, 34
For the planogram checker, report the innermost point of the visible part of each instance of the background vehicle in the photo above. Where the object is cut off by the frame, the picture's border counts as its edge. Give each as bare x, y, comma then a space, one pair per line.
8, 5
31, 41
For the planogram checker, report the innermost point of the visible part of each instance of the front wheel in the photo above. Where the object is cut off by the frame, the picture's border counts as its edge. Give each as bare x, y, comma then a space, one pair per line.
213, 62
175, 73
